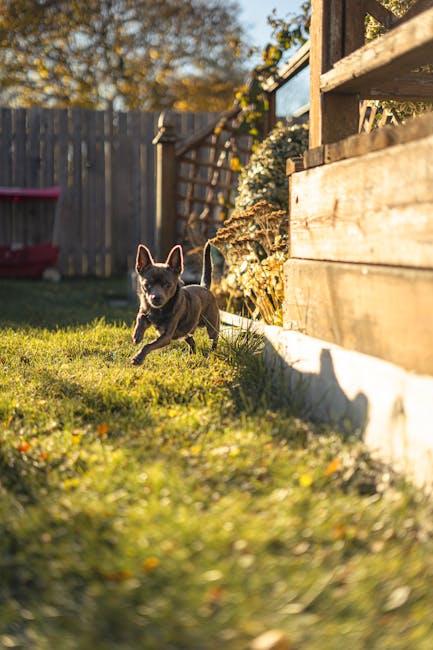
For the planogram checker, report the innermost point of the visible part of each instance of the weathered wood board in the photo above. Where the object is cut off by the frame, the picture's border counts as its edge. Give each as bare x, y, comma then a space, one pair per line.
376, 208
405, 47
382, 311
358, 145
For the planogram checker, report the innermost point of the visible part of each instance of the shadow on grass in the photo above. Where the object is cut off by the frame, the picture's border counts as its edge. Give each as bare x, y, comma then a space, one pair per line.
265, 381
26, 303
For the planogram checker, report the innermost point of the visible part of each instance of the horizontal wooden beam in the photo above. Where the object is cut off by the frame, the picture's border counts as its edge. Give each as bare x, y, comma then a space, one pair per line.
375, 209
382, 311
293, 165
363, 143
410, 87
197, 199
198, 163
296, 63
403, 48
314, 157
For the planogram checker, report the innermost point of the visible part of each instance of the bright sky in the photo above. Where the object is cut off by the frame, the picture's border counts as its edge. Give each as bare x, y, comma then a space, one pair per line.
255, 12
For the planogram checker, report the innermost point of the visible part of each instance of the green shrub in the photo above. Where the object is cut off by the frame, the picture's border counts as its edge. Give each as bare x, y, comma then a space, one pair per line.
264, 177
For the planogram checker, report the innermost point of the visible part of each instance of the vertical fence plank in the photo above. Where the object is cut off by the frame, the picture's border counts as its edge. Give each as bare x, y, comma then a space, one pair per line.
77, 193
5, 173
151, 170
47, 147
46, 172
37, 224
99, 176
146, 215
61, 234
122, 204
90, 190
109, 139
19, 170
134, 130
114, 199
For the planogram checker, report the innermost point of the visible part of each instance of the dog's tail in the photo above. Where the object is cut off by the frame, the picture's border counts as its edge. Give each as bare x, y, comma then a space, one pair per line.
206, 277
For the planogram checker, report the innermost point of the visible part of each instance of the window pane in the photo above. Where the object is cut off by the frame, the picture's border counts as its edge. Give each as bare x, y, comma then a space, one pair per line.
294, 94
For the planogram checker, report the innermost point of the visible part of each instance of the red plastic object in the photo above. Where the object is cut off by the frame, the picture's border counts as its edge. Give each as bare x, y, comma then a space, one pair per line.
21, 193
28, 261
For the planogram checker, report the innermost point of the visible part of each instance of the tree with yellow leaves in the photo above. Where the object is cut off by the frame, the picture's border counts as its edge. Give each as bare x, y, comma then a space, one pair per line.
130, 54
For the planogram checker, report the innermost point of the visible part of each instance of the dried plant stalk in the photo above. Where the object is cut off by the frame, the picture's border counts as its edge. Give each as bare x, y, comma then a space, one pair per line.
254, 243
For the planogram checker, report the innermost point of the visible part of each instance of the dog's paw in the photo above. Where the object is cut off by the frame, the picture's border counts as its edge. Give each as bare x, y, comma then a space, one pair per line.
137, 360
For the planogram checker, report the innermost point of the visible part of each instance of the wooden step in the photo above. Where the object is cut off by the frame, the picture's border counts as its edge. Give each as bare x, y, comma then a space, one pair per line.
376, 208
383, 311
404, 48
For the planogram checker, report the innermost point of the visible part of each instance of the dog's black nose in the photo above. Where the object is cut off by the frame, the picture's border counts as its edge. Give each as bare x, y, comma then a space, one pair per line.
157, 300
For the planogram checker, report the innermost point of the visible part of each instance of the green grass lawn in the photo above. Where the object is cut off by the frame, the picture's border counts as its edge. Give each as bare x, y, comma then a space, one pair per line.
174, 506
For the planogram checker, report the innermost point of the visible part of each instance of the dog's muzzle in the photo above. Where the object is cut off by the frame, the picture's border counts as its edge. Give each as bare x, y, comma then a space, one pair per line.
156, 301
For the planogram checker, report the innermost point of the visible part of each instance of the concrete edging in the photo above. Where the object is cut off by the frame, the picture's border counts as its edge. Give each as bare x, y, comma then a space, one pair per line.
390, 408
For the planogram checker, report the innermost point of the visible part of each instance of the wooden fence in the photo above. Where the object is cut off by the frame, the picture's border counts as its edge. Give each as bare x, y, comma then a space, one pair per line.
105, 164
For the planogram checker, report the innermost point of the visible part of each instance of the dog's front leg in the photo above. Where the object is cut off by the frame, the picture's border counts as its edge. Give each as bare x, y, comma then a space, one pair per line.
160, 342
141, 325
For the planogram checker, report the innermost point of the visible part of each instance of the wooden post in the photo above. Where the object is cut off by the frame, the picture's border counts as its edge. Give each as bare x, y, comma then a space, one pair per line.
165, 142
333, 116
271, 113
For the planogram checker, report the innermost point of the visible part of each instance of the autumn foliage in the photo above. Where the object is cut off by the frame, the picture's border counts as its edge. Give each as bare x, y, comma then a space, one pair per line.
132, 54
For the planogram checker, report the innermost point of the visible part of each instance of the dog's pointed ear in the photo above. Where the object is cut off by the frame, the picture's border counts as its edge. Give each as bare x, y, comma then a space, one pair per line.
175, 259
144, 258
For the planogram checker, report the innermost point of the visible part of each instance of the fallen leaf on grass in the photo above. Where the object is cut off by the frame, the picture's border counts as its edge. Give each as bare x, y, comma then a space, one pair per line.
214, 595
102, 430
305, 480
397, 598
333, 467
195, 450
150, 564
118, 576
271, 640
212, 575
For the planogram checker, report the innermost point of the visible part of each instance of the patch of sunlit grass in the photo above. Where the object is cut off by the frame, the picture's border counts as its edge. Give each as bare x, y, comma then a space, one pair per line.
175, 506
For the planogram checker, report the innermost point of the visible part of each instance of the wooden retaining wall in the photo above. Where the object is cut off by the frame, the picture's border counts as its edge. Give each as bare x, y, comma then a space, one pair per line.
105, 163
360, 271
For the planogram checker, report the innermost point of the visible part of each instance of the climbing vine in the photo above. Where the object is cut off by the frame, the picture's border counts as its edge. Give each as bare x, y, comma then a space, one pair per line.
287, 33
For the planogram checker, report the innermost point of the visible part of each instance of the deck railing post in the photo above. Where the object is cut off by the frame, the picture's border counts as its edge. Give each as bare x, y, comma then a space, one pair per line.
165, 141
337, 28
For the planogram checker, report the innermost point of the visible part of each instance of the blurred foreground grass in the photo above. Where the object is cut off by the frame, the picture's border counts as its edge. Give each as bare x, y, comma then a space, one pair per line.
173, 506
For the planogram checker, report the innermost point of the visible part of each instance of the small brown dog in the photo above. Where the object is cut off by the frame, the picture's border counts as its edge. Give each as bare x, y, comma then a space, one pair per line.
175, 310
